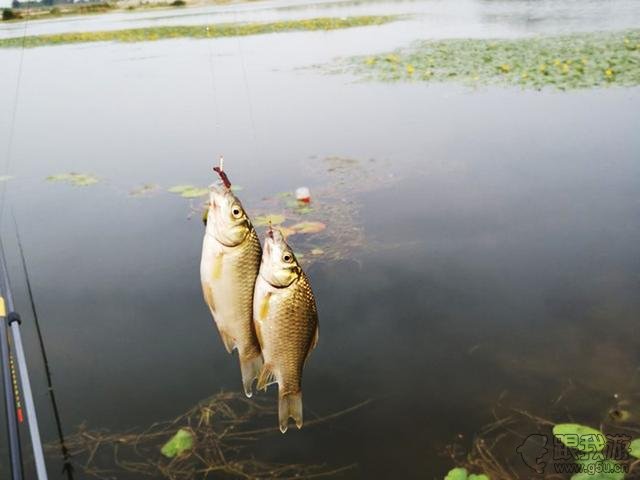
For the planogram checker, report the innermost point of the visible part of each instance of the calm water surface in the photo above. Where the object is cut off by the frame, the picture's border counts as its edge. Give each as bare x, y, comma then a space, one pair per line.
501, 262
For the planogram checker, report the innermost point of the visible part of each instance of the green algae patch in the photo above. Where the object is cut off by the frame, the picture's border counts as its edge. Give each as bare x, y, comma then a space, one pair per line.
148, 34
575, 61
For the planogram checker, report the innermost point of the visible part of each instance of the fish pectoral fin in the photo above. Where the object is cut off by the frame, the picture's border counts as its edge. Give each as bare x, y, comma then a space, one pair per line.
216, 271
314, 342
290, 406
250, 369
208, 298
267, 377
229, 342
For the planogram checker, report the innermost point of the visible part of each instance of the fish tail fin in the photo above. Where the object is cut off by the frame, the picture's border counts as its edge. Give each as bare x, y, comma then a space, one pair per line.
267, 377
250, 369
290, 405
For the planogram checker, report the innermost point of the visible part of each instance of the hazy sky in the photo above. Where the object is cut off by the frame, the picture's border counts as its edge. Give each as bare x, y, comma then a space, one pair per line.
5, 3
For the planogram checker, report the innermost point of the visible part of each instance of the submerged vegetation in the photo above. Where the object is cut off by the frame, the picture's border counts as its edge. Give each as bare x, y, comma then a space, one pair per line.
207, 441
519, 443
567, 62
148, 34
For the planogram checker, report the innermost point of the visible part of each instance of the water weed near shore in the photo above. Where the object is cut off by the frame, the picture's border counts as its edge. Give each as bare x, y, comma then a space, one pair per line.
563, 62
149, 34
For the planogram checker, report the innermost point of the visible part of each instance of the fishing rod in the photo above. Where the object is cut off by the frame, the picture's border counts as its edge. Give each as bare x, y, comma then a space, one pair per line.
15, 452
13, 319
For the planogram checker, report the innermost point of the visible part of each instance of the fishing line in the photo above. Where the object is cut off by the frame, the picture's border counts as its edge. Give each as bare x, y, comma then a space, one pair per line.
245, 81
67, 466
214, 90
13, 118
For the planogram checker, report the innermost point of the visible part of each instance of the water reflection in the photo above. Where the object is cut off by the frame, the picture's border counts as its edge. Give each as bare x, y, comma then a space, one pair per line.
504, 254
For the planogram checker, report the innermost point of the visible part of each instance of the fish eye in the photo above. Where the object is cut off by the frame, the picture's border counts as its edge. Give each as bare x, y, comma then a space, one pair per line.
287, 257
236, 211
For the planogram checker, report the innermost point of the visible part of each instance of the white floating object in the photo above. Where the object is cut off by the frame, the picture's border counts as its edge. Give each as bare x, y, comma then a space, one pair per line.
303, 194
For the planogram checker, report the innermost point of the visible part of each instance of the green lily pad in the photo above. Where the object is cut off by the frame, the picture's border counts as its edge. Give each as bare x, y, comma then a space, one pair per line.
286, 232
180, 188
308, 227
84, 180
264, 220
59, 177
144, 190
480, 476
194, 192
188, 191
634, 448
457, 474
580, 437
599, 469
303, 208
75, 179
181, 442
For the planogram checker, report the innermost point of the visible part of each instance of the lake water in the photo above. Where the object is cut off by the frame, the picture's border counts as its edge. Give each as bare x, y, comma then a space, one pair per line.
501, 255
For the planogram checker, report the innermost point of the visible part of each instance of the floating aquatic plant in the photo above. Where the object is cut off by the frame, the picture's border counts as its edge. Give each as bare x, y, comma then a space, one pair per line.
144, 190
517, 442
147, 34
5, 178
308, 227
189, 191
599, 469
580, 437
75, 179
180, 443
269, 219
581, 60
634, 448
463, 474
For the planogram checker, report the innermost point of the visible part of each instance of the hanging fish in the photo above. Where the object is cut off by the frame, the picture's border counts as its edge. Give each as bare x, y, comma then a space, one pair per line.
228, 269
286, 319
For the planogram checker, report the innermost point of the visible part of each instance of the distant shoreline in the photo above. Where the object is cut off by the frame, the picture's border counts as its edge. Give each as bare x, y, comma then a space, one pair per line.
45, 12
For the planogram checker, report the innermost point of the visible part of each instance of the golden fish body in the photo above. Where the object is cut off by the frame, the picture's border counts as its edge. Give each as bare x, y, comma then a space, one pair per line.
228, 269
286, 320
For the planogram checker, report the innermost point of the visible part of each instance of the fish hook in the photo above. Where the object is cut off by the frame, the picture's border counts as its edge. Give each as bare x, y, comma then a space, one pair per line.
223, 176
